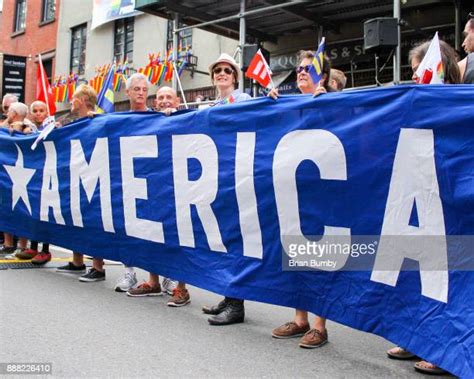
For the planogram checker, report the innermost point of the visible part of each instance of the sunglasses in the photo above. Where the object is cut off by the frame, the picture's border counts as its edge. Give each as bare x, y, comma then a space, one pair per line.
218, 70
303, 68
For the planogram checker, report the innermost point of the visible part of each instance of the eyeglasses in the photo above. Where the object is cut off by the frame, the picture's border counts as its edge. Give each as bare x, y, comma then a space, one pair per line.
301, 68
218, 70
470, 15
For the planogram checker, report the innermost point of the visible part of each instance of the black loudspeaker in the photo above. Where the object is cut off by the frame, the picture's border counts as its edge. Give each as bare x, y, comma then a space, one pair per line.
380, 33
250, 51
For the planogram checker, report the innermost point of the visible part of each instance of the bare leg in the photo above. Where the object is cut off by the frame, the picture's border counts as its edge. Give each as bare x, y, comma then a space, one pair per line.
153, 280
320, 324
301, 317
77, 259
8, 240
98, 264
23, 242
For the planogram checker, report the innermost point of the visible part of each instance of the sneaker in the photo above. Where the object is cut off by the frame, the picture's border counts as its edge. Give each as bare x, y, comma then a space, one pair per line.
41, 258
71, 268
314, 338
169, 285
289, 330
19, 251
145, 289
7, 249
126, 282
25, 253
180, 298
92, 275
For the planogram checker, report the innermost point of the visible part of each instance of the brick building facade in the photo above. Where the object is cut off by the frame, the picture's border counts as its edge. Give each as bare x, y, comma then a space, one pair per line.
27, 28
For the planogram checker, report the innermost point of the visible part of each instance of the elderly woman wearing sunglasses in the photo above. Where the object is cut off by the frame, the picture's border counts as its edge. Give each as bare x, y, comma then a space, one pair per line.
225, 76
305, 82
299, 327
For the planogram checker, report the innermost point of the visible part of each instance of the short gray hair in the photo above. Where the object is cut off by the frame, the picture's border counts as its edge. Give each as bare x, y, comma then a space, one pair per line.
36, 104
9, 96
19, 108
134, 77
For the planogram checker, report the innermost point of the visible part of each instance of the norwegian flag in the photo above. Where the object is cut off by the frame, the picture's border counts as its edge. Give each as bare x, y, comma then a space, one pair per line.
259, 70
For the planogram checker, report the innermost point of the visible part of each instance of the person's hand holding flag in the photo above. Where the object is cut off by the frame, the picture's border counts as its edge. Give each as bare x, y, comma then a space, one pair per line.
48, 126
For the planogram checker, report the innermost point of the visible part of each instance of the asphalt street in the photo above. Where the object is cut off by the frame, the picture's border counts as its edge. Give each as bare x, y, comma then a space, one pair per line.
88, 330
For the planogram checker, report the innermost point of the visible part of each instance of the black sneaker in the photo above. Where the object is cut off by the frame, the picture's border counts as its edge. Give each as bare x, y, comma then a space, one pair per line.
92, 276
72, 268
7, 249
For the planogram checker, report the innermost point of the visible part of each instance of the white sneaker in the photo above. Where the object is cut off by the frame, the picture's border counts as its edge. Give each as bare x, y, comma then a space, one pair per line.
126, 282
168, 285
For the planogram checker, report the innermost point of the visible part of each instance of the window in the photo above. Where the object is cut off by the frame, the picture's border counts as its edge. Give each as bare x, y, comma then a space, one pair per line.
185, 37
20, 16
78, 49
48, 10
123, 39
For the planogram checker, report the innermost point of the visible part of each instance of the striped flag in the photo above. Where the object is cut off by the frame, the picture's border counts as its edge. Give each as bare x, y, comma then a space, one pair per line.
316, 69
259, 70
105, 99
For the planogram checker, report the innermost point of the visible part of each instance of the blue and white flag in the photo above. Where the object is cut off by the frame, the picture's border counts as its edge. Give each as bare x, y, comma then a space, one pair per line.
355, 206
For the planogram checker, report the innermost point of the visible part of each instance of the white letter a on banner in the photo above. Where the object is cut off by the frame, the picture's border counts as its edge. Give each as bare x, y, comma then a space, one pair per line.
413, 181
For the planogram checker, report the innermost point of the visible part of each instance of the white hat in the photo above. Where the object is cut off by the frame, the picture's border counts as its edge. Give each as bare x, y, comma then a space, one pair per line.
225, 58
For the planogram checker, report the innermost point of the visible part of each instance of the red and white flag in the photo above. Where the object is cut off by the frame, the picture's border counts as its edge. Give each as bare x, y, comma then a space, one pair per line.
43, 89
430, 69
259, 70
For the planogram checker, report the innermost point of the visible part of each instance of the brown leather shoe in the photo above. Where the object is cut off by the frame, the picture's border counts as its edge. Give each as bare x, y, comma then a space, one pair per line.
289, 330
314, 338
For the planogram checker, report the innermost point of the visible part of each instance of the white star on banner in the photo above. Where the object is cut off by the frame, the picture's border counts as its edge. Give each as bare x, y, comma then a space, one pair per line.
20, 177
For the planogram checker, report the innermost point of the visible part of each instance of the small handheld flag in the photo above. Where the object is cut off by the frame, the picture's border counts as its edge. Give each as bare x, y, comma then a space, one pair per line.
48, 126
430, 70
259, 70
316, 69
105, 99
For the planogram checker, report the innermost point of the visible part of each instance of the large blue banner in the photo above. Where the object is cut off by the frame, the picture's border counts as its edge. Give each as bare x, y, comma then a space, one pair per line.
233, 199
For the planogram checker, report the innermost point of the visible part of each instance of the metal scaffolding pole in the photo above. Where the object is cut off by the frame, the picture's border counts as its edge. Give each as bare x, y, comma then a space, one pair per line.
397, 60
242, 32
457, 26
243, 14
174, 82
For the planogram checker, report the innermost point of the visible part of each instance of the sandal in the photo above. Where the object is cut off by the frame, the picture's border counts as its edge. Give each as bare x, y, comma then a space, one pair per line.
429, 368
400, 353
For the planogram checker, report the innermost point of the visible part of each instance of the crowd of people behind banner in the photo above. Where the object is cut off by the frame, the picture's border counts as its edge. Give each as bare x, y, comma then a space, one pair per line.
225, 74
